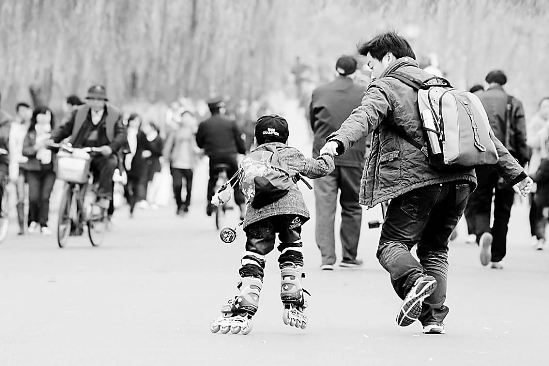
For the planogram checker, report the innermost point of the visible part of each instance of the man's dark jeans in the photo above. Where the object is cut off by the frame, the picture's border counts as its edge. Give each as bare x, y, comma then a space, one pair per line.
103, 168
177, 177
424, 217
503, 197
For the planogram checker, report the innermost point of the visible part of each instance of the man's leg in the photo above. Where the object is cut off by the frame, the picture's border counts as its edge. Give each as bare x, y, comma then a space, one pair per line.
487, 180
177, 185
432, 249
351, 212
503, 202
33, 179
21, 197
188, 174
325, 190
103, 168
48, 180
211, 185
404, 226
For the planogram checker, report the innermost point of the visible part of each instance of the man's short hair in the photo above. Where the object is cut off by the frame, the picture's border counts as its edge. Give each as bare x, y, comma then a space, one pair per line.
496, 76
21, 105
387, 42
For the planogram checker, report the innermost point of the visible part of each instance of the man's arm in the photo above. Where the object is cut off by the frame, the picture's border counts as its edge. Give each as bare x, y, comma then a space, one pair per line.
240, 142
375, 106
523, 150
65, 130
507, 166
120, 135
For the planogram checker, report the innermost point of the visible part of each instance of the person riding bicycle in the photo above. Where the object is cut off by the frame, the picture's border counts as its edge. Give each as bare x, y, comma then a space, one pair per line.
97, 124
221, 140
5, 126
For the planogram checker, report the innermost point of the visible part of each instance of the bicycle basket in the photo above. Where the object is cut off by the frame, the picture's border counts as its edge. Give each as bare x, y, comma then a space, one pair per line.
72, 169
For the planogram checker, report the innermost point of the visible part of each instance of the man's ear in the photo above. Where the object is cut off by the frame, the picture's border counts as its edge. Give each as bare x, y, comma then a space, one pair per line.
390, 57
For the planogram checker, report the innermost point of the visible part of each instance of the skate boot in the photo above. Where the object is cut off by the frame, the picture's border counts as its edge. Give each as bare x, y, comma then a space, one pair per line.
292, 296
238, 312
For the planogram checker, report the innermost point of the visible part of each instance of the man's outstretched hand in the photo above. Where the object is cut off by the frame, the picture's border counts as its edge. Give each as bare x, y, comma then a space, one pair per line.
524, 186
329, 148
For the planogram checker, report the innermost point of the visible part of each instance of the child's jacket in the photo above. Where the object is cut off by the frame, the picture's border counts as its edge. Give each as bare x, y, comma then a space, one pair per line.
292, 203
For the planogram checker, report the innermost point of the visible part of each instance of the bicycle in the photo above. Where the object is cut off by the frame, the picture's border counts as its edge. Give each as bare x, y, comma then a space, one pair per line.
78, 206
222, 183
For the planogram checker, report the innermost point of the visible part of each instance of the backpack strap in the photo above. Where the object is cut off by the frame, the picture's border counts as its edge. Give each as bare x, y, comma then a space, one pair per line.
403, 134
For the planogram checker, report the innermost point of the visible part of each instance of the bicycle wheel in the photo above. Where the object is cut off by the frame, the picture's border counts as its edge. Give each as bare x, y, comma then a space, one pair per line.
97, 226
5, 214
64, 221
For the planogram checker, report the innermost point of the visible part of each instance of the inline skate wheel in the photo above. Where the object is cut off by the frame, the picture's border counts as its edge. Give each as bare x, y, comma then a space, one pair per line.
248, 328
214, 328
286, 316
303, 325
227, 235
235, 329
225, 329
298, 324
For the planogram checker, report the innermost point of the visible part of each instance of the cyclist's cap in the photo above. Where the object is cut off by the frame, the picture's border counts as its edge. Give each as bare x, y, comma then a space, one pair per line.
346, 65
97, 92
271, 128
215, 103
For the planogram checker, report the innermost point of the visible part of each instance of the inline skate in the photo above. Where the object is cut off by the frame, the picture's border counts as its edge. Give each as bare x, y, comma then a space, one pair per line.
236, 315
292, 296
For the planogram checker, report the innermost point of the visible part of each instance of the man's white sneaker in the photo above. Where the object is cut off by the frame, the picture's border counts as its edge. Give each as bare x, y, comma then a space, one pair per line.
540, 244
45, 231
327, 267
32, 227
496, 265
435, 328
485, 244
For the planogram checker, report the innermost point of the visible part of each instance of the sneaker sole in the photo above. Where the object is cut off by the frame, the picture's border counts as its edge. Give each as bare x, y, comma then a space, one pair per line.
349, 265
486, 248
411, 309
433, 330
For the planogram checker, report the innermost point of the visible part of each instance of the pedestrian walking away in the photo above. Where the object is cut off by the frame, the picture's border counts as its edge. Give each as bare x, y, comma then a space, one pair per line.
222, 141
426, 201
330, 105
182, 154
506, 117
273, 206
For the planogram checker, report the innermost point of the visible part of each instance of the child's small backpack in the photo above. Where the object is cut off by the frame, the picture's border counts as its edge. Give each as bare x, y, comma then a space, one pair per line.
264, 177
456, 126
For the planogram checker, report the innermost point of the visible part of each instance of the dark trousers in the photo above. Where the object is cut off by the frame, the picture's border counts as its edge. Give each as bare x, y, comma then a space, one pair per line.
230, 160
470, 214
131, 191
40, 187
503, 197
425, 217
347, 181
177, 177
536, 218
103, 168
260, 241
4, 171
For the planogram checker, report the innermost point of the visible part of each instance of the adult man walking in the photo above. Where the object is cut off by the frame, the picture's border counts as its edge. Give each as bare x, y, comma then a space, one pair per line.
331, 104
506, 117
425, 203
221, 140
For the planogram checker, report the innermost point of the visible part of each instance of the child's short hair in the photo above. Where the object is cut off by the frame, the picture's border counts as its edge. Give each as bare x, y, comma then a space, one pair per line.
271, 128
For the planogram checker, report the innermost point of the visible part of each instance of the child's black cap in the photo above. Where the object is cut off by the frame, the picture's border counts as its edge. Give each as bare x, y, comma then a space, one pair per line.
271, 128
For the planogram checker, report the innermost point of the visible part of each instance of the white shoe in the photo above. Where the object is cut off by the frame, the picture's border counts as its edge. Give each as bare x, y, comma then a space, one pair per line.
45, 231
540, 244
534, 241
471, 239
496, 265
143, 205
154, 206
32, 227
486, 248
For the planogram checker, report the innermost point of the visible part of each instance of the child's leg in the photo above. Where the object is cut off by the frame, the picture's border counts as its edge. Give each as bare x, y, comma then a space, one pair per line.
237, 313
291, 272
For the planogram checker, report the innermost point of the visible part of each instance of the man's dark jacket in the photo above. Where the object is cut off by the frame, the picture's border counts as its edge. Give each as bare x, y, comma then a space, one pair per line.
331, 104
219, 135
495, 101
115, 129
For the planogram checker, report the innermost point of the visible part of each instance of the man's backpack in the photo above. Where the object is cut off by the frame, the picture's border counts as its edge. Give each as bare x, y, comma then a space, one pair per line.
456, 126
264, 177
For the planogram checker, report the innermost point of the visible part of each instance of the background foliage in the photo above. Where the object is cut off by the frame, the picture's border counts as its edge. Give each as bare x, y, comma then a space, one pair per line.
160, 50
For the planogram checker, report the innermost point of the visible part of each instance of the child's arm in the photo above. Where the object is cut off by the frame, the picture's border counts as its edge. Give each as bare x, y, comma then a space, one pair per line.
315, 168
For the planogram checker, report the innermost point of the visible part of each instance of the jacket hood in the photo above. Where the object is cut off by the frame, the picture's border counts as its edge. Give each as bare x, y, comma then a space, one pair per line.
398, 63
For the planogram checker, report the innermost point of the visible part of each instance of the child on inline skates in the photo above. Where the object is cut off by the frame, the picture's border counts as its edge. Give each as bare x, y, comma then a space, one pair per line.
277, 211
